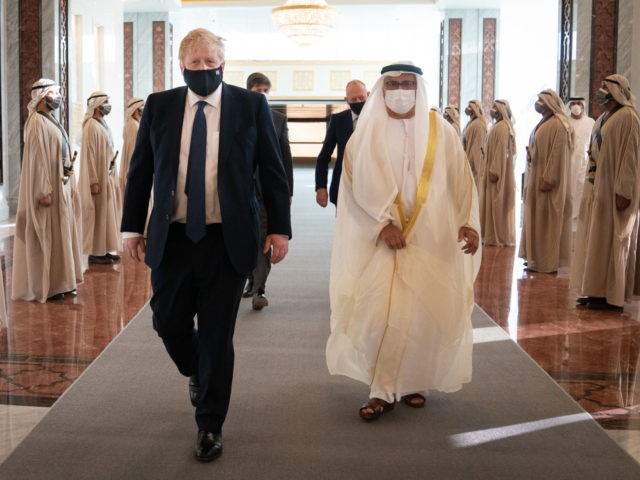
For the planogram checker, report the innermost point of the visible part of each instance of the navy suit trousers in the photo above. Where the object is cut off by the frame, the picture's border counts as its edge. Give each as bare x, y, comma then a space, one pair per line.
198, 281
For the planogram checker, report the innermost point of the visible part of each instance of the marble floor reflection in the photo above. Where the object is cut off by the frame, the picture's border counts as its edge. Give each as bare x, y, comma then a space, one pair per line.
593, 356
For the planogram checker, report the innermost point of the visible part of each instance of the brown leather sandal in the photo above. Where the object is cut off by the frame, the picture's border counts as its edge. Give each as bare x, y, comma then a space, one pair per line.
377, 406
414, 400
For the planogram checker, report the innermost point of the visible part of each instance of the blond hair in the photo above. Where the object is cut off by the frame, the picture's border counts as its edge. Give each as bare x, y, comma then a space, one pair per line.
198, 37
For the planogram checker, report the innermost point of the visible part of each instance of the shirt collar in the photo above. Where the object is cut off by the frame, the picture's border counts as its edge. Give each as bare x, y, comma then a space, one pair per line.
213, 99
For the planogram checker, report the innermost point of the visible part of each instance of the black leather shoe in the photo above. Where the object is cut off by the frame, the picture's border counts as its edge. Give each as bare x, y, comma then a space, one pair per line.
259, 301
208, 446
604, 306
100, 260
115, 258
194, 390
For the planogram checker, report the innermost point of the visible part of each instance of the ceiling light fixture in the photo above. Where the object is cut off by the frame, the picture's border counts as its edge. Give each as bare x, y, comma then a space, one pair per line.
304, 21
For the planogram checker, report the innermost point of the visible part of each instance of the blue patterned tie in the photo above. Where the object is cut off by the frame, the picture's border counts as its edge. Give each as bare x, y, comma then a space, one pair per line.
194, 186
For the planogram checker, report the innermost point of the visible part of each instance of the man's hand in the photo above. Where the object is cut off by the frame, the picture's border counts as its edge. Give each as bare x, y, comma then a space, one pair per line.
545, 186
393, 237
279, 245
471, 240
322, 197
95, 189
45, 201
134, 246
622, 202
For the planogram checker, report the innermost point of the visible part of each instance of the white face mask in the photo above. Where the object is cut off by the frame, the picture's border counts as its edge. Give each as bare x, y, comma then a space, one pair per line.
576, 110
400, 101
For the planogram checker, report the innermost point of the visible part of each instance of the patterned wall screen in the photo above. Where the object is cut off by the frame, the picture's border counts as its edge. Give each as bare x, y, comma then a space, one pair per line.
488, 63
455, 62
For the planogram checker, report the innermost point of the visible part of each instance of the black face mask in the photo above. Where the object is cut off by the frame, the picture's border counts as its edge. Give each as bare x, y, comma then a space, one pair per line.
356, 107
467, 111
203, 82
105, 109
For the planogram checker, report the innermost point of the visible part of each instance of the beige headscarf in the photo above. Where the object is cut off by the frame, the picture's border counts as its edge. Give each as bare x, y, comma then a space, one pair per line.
620, 90
504, 109
39, 90
553, 101
134, 104
93, 102
453, 114
476, 107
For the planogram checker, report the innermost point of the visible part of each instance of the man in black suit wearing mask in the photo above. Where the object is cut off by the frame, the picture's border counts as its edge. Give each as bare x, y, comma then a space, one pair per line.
198, 146
341, 126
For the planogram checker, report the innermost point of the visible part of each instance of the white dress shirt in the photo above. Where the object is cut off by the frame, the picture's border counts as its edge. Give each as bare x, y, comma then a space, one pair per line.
212, 115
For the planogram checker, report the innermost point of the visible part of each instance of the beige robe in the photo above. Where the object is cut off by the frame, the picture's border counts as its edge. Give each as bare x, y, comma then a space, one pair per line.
606, 240
474, 137
100, 213
401, 319
129, 135
47, 251
497, 205
546, 233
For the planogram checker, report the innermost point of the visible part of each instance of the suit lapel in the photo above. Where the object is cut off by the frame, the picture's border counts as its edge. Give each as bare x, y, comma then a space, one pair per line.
228, 124
174, 124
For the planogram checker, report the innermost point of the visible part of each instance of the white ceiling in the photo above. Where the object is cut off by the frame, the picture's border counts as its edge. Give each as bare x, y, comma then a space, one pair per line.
172, 5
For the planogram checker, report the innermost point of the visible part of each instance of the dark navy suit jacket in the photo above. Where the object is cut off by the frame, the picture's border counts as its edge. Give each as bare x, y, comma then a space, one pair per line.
247, 140
338, 132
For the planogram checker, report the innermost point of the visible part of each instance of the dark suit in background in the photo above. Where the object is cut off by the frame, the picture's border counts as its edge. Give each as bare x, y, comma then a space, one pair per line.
338, 132
206, 278
258, 278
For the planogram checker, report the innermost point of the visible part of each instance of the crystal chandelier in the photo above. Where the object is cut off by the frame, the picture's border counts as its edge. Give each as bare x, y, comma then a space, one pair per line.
304, 20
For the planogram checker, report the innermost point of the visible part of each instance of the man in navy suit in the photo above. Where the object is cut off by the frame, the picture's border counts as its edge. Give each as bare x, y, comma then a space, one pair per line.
340, 128
199, 146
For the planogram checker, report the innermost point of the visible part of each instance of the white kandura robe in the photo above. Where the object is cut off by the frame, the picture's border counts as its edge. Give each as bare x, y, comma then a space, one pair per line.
100, 213
401, 319
47, 244
582, 128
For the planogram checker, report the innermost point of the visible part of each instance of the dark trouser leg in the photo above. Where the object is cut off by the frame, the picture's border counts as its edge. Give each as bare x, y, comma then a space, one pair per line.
263, 266
174, 303
212, 289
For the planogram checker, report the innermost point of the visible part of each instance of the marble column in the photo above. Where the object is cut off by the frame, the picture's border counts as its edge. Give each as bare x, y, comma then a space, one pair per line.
581, 65
11, 108
147, 53
470, 57
603, 47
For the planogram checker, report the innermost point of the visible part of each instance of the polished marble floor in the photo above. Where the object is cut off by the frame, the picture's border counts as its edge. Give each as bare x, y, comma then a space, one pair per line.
593, 356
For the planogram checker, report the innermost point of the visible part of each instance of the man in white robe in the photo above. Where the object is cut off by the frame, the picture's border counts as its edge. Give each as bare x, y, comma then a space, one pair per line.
582, 125
47, 259
99, 184
401, 285
605, 256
